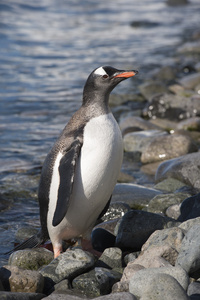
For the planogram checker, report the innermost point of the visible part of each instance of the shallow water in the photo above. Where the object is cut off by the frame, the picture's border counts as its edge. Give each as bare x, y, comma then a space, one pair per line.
47, 50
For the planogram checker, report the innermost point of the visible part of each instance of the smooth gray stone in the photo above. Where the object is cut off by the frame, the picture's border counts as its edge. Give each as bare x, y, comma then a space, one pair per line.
164, 286
190, 208
185, 168
143, 279
136, 226
189, 255
134, 195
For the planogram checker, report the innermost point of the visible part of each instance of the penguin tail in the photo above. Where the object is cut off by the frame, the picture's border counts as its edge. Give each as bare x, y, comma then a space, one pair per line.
33, 242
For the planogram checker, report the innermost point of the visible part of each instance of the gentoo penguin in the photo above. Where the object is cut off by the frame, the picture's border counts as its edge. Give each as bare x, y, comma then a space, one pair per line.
81, 170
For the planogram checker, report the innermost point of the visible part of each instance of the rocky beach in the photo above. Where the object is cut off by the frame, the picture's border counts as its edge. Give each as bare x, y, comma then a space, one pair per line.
148, 241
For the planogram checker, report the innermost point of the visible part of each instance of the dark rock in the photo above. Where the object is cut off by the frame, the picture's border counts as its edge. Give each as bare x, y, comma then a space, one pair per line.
144, 23
185, 168
136, 227
190, 208
31, 259
194, 289
102, 239
21, 296
96, 282
189, 255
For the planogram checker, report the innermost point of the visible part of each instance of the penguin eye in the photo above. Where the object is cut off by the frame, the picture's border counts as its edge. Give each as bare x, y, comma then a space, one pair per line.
105, 76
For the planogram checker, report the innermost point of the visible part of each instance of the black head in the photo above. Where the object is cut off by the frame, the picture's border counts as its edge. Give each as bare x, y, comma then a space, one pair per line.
103, 80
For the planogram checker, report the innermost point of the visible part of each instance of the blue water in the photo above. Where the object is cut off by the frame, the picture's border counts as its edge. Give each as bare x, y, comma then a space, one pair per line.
47, 50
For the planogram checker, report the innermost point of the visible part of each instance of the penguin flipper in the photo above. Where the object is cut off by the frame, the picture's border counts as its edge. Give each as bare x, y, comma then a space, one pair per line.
67, 171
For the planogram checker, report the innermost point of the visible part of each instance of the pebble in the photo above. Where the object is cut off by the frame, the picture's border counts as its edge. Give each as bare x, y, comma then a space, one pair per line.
135, 195
189, 255
30, 259
185, 168
136, 226
173, 211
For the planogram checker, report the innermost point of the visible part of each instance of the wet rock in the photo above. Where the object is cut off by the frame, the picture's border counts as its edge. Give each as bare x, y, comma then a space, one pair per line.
115, 210
194, 289
168, 146
21, 296
172, 107
190, 81
189, 224
96, 282
177, 2
190, 47
102, 239
189, 255
111, 258
136, 196
30, 259
190, 124
185, 168
136, 227
138, 141
15, 279
133, 123
144, 23
149, 89
68, 265
173, 211
160, 203
190, 208
142, 280
163, 286
169, 185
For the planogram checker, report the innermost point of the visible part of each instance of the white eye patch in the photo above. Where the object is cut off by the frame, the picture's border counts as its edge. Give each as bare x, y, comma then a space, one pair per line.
100, 71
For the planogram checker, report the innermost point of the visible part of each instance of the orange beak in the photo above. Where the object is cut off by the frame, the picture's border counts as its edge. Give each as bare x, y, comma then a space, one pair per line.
126, 74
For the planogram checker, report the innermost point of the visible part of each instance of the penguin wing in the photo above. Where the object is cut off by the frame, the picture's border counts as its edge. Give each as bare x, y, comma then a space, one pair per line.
66, 171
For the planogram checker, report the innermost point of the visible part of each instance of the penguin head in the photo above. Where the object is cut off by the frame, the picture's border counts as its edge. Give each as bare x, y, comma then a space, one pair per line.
103, 79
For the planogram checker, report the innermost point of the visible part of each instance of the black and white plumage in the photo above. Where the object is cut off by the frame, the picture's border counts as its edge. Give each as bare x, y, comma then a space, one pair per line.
81, 170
